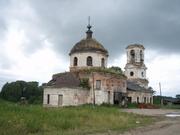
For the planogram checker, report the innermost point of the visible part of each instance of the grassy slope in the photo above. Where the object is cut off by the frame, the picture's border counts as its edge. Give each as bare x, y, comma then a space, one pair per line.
36, 120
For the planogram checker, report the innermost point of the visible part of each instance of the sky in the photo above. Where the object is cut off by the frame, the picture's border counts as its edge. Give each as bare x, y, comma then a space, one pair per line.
36, 36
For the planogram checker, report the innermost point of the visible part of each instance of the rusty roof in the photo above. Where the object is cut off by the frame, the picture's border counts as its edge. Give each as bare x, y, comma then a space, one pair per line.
132, 86
67, 79
88, 45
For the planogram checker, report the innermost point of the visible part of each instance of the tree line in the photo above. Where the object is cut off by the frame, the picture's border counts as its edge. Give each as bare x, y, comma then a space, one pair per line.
16, 91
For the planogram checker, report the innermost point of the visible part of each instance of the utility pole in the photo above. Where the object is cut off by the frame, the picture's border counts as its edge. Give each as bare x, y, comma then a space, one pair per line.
161, 99
93, 90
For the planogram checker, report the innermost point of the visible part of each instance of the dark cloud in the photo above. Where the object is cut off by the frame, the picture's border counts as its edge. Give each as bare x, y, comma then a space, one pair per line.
115, 23
156, 24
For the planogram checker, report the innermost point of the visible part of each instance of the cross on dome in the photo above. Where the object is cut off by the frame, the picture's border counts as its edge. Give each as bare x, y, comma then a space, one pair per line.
89, 32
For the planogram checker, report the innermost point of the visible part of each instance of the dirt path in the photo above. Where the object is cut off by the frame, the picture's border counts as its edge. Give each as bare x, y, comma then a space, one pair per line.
169, 126
165, 125
152, 112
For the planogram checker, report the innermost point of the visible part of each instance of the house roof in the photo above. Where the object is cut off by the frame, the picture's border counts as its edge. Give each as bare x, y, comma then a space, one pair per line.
132, 86
67, 79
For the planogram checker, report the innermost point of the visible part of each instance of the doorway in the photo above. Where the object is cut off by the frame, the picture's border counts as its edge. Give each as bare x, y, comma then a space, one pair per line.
118, 97
60, 100
129, 99
109, 96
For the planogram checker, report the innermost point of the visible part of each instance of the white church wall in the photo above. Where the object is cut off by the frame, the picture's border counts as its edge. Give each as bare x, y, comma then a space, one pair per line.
137, 73
135, 94
82, 59
101, 97
70, 96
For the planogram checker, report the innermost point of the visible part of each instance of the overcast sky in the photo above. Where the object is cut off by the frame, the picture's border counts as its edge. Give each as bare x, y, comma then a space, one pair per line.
37, 35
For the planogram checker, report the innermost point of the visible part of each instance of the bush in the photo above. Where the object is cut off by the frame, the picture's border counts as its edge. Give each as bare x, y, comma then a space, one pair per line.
132, 105
84, 83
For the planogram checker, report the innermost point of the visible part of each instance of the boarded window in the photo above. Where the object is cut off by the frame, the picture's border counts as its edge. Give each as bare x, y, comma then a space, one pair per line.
75, 61
89, 61
98, 84
60, 100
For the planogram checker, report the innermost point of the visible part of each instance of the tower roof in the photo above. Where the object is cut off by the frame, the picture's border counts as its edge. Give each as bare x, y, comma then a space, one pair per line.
135, 46
88, 44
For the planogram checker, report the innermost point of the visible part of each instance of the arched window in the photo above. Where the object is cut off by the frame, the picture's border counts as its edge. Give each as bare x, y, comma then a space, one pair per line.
102, 62
132, 53
131, 73
142, 74
144, 99
75, 61
151, 100
141, 56
89, 61
137, 99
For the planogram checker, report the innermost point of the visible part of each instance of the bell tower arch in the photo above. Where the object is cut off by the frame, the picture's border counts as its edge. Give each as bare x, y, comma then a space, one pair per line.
135, 68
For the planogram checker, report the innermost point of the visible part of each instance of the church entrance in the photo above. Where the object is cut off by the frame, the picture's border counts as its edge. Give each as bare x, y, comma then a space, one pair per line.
129, 99
120, 99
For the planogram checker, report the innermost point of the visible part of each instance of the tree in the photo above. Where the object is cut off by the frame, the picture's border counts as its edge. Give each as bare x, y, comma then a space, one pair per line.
178, 96
116, 69
15, 90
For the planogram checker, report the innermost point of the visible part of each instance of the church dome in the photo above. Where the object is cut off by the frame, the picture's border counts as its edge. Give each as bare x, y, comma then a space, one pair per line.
88, 53
88, 44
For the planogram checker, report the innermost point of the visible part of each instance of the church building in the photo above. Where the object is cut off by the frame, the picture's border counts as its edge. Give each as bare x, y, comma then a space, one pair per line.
90, 81
135, 70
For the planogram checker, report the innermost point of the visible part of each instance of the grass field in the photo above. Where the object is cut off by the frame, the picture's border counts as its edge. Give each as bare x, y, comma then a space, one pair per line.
36, 120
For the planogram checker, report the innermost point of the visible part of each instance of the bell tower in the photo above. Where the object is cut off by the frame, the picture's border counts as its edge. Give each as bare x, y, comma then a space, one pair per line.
135, 68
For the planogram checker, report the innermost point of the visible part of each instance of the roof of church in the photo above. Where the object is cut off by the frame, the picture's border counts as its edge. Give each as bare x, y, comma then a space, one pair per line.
67, 79
88, 44
135, 45
135, 87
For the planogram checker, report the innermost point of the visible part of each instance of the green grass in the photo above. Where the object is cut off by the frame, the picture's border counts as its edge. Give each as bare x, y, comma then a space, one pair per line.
35, 120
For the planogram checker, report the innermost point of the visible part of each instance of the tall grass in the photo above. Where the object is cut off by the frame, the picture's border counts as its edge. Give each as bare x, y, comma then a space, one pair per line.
35, 120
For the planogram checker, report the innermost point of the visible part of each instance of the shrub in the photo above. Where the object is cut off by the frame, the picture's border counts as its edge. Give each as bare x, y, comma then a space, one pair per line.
84, 83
